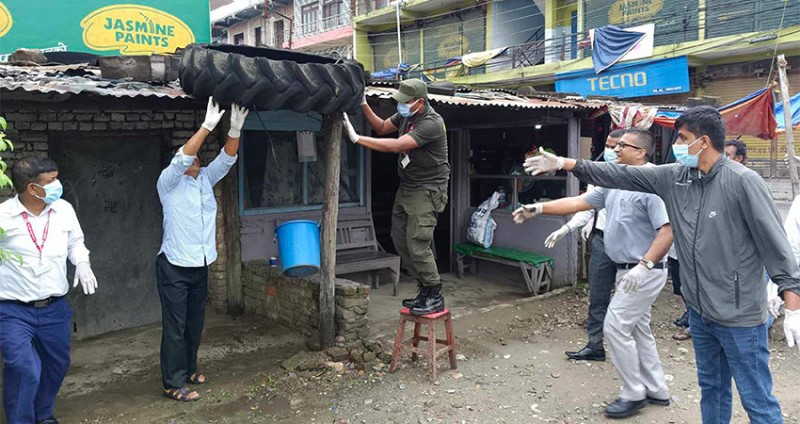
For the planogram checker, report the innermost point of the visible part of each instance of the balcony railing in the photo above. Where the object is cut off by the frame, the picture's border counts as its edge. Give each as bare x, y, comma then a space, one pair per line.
322, 25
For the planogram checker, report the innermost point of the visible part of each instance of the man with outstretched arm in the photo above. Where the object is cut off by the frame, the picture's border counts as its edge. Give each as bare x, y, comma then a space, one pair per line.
424, 170
726, 229
638, 236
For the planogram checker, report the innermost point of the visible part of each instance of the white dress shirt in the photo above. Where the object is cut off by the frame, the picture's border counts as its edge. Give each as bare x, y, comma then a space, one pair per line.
39, 277
190, 210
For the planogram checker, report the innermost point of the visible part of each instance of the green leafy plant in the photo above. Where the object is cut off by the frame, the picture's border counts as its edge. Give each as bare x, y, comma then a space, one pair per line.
5, 144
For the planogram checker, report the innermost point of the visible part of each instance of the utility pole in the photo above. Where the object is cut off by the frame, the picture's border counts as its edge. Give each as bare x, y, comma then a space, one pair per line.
787, 119
332, 133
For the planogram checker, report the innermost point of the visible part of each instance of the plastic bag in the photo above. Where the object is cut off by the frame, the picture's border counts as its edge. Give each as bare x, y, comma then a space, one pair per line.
481, 225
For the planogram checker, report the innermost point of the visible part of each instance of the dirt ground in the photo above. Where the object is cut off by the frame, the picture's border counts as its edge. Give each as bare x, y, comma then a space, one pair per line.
511, 370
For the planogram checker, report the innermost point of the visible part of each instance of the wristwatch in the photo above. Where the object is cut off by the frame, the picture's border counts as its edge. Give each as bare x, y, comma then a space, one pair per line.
647, 263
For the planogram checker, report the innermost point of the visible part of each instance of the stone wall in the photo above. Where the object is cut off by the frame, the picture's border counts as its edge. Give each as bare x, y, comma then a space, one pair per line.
294, 302
32, 126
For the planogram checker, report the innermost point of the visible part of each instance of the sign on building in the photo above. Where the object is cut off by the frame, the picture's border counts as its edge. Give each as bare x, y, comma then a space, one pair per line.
104, 27
632, 79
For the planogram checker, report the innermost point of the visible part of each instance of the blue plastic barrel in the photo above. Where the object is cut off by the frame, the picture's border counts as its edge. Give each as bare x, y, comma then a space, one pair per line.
298, 247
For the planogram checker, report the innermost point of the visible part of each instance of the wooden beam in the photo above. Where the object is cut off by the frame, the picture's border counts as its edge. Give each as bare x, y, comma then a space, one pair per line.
232, 231
787, 116
332, 134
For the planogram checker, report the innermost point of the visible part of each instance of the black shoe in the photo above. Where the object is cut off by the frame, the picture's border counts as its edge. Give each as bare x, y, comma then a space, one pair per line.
656, 401
48, 421
683, 321
622, 408
587, 354
431, 303
410, 303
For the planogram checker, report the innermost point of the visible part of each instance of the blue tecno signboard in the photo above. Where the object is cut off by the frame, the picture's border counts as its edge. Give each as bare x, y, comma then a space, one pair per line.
634, 79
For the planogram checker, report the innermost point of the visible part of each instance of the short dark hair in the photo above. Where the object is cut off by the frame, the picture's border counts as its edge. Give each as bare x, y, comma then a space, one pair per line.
616, 134
27, 170
646, 139
741, 148
704, 121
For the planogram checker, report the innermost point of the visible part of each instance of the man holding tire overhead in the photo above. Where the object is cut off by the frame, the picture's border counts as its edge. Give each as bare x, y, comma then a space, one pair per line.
421, 148
186, 191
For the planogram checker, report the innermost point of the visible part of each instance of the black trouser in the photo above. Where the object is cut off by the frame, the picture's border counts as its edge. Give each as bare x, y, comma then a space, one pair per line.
183, 293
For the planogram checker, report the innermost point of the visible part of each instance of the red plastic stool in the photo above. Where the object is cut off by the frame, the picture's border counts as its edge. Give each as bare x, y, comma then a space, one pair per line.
431, 350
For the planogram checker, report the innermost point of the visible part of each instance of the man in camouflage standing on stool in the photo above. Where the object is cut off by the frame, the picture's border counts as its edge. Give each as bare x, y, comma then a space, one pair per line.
424, 173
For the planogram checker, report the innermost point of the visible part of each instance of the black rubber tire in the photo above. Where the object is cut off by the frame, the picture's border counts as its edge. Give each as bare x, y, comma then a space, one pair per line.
295, 81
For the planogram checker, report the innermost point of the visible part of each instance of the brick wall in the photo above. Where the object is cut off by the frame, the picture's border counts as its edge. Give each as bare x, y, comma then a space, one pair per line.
294, 302
31, 128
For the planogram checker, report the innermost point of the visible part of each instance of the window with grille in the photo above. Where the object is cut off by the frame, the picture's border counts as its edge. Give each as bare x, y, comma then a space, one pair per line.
310, 16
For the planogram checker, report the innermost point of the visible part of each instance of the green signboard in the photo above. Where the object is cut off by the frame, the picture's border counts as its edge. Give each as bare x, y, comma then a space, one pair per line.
106, 27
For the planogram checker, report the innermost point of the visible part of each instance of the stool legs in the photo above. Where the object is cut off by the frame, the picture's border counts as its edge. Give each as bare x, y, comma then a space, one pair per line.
415, 341
432, 350
451, 342
398, 344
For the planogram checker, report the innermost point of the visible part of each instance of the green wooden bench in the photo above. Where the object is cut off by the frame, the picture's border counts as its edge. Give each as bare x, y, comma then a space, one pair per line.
537, 269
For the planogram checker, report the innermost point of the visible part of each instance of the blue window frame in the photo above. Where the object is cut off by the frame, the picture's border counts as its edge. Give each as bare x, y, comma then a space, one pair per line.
273, 178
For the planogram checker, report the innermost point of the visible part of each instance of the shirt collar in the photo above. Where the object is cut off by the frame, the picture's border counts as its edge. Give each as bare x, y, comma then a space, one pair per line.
19, 208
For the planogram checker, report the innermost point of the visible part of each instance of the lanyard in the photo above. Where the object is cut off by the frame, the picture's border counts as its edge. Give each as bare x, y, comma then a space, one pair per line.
40, 248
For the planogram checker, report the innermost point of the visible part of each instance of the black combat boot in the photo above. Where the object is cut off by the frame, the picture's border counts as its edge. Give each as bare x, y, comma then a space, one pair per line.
410, 303
432, 302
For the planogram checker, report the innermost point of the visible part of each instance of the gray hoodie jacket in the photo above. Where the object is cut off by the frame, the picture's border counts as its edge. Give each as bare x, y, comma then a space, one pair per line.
725, 228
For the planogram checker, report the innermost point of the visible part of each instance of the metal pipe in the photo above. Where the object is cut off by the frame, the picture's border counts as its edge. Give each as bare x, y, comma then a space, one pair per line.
399, 41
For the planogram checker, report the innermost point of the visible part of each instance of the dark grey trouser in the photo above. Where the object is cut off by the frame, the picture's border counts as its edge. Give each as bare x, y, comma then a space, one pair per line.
184, 293
602, 275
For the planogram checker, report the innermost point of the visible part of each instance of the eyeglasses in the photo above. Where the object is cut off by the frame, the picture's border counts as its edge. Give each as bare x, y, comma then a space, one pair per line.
623, 145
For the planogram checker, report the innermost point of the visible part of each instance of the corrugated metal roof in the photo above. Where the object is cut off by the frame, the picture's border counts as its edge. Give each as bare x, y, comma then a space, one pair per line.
79, 79
496, 99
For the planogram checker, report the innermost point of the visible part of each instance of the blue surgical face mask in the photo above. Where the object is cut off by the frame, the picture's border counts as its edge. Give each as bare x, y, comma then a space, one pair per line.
52, 191
404, 109
610, 155
681, 152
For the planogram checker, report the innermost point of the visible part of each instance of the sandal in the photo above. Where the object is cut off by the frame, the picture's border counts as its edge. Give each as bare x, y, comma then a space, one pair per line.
197, 378
183, 394
682, 334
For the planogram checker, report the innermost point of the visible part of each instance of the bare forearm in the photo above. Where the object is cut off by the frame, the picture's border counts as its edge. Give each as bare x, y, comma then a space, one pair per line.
375, 121
385, 145
660, 246
232, 146
792, 300
565, 206
193, 145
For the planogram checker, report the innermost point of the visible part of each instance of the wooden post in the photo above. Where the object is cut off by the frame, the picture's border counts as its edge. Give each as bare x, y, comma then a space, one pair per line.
332, 134
233, 236
787, 119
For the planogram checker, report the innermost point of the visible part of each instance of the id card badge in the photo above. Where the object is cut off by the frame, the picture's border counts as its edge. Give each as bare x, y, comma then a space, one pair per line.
405, 161
41, 268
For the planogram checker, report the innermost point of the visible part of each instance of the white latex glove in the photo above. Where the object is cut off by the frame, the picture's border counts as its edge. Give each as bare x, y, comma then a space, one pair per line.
786, 157
213, 115
544, 163
238, 115
631, 281
774, 302
351, 132
527, 212
555, 236
84, 275
586, 231
791, 327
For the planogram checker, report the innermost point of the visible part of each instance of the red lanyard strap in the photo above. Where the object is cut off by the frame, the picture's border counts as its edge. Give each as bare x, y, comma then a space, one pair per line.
44, 233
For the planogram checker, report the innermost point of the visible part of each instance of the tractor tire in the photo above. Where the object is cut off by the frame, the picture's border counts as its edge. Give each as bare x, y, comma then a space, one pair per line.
269, 79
